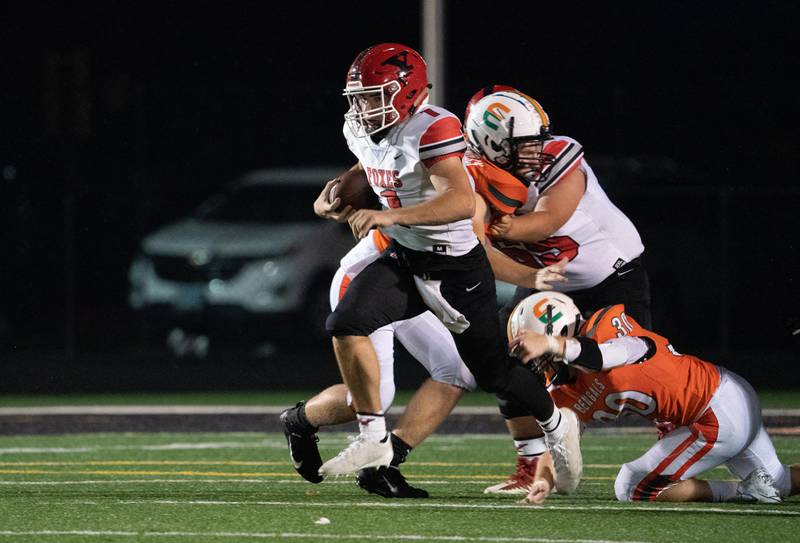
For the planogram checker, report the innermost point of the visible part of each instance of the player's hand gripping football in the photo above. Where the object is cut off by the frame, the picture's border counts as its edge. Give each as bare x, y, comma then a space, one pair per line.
363, 220
554, 273
330, 209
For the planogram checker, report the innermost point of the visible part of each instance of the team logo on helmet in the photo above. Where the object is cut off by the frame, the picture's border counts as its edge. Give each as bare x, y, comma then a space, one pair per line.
495, 114
540, 312
400, 60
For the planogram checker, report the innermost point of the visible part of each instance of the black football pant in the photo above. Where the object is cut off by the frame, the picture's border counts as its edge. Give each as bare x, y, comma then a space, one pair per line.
385, 292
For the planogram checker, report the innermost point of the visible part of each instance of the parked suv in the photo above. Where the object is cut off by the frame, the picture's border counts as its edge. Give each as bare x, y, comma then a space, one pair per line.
253, 261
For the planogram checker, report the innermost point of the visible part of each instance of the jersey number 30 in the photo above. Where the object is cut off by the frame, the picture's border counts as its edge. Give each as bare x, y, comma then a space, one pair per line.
627, 400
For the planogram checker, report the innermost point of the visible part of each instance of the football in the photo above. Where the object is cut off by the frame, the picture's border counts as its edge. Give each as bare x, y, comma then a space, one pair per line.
354, 190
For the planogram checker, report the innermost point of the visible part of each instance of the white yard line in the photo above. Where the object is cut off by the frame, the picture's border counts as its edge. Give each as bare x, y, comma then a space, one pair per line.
301, 535
262, 481
695, 509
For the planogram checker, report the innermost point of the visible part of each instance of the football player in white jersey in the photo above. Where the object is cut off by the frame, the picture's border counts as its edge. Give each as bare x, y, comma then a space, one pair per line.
430, 343
412, 152
546, 204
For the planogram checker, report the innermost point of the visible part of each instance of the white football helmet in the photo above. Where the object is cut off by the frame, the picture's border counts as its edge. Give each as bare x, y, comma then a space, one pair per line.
551, 314
500, 122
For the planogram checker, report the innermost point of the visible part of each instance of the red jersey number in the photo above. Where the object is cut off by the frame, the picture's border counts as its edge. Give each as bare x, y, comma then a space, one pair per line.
542, 253
392, 199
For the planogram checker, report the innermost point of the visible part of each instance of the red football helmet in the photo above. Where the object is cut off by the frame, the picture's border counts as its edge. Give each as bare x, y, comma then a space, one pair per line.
488, 89
385, 85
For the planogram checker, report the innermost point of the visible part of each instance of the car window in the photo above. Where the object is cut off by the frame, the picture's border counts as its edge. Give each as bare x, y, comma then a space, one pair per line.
262, 203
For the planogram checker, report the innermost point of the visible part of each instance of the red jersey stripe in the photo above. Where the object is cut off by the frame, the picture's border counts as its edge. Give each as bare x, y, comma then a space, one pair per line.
440, 131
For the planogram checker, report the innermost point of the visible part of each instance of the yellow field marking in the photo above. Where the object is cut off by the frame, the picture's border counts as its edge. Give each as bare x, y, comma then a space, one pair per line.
143, 472
148, 463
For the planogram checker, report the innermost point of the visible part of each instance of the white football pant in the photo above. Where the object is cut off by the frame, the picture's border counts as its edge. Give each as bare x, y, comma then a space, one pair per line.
729, 432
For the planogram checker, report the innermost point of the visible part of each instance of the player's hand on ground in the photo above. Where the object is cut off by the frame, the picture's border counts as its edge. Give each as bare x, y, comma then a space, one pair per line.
327, 209
500, 226
540, 490
528, 346
554, 273
364, 220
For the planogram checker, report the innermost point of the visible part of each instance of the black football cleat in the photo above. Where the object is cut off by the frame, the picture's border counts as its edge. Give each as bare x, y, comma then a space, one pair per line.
303, 449
387, 481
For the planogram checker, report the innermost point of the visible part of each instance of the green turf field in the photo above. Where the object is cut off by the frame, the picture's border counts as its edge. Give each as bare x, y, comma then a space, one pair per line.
241, 487
770, 399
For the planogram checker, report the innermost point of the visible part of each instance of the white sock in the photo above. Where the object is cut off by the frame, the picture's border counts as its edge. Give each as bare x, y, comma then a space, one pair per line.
723, 491
551, 424
530, 447
372, 426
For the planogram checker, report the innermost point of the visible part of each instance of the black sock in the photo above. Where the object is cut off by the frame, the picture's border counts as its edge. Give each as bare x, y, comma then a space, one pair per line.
298, 420
401, 450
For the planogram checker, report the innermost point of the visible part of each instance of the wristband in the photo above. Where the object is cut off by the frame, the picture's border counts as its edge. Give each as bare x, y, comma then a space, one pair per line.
554, 347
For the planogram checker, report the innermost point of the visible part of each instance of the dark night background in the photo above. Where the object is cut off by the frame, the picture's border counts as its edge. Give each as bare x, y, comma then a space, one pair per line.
118, 117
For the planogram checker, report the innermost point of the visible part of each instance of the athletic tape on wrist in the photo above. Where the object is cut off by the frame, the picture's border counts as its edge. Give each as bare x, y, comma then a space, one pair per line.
553, 346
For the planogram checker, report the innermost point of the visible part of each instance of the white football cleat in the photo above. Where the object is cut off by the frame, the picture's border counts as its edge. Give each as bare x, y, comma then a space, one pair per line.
358, 455
758, 487
564, 444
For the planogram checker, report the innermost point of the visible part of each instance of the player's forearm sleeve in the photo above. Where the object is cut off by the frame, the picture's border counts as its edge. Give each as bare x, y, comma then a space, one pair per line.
622, 351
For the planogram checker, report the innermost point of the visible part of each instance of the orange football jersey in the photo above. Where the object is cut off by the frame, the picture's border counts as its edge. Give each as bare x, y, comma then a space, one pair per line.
504, 192
668, 386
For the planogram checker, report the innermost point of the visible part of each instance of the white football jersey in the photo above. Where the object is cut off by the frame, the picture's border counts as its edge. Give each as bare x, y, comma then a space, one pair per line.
397, 169
598, 238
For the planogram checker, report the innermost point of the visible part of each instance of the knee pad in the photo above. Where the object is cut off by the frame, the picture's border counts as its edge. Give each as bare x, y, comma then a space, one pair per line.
624, 484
